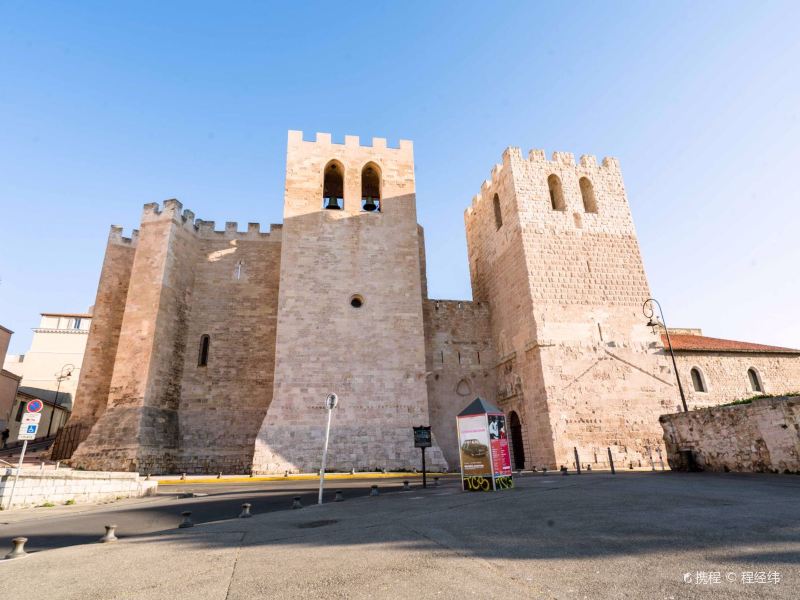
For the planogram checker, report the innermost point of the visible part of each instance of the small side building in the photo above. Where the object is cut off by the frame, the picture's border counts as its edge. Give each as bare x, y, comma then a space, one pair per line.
714, 371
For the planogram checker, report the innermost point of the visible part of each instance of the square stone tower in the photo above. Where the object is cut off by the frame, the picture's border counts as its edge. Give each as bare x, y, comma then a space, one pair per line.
553, 250
350, 316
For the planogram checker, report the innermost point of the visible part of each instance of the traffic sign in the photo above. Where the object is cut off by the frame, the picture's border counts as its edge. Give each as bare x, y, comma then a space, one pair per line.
34, 406
27, 431
31, 418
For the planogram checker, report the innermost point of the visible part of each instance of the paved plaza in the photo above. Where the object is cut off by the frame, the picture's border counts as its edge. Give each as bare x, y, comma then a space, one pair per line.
634, 535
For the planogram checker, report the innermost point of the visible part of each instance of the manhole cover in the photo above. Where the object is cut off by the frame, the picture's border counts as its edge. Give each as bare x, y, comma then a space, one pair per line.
322, 523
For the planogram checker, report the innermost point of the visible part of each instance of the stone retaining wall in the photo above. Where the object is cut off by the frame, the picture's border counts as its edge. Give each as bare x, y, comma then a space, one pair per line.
36, 487
763, 436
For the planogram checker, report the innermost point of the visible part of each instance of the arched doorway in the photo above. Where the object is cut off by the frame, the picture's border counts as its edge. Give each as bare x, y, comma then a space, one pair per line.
516, 440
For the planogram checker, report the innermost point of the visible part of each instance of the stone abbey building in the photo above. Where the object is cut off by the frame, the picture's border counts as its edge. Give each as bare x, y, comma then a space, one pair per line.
213, 350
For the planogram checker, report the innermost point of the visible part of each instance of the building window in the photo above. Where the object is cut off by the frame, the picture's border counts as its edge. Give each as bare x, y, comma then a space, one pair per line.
698, 382
556, 194
755, 380
333, 186
498, 216
205, 344
587, 193
77, 323
21, 410
371, 188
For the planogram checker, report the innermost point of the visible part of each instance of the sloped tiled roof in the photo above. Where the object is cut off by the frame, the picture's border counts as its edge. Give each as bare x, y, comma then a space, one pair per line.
701, 343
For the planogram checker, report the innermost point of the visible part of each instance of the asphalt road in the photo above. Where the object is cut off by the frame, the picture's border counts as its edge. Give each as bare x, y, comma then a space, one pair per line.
224, 501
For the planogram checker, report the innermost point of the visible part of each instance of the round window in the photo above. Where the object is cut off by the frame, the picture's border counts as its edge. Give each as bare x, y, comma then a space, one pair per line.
356, 301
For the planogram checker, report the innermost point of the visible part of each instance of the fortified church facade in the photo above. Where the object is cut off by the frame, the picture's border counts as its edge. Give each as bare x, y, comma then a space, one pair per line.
213, 350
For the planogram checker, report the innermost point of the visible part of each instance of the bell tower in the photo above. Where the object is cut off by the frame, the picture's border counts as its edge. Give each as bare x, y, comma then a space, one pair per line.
349, 315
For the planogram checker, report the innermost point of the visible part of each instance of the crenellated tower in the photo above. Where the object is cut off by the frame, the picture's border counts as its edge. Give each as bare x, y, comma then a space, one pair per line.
350, 316
150, 400
553, 250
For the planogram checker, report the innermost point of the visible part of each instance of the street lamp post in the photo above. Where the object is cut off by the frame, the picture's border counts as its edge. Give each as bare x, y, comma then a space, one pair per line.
60, 377
649, 312
330, 403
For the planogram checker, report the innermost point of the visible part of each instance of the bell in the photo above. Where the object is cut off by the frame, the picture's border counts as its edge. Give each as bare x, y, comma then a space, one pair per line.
369, 205
332, 204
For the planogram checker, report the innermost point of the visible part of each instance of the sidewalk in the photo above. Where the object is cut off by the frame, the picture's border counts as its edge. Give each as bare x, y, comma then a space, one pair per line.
590, 536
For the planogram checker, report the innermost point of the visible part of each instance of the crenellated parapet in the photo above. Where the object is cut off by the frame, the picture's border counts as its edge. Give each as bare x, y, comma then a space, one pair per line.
350, 141
172, 210
537, 158
115, 237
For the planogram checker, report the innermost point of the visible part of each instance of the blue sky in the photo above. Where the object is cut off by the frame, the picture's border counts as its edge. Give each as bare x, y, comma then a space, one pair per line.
107, 106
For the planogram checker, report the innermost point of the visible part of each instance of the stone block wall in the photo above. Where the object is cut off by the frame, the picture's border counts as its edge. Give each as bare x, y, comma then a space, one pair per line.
101, 346
460, 362
725, 375
234, 302
762, 436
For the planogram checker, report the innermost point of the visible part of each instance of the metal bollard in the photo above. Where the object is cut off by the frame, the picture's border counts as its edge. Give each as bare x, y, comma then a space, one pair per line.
18, 550
219, 475
58, 464
374, 491
147, 478
406, 487
353, 471
577, 460
611, 462
245, 514
187, 519
296, 502
339, 496
435, 482
286, 473
110, 534
183, 476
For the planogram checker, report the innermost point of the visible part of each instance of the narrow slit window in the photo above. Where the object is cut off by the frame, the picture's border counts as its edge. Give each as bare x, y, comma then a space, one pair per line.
205, 346
498, 215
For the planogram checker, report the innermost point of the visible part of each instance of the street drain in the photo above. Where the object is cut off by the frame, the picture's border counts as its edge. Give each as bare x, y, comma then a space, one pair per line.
322, 523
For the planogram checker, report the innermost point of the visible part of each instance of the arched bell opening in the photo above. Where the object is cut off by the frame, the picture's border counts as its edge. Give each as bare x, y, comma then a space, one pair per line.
371, 188
333, 186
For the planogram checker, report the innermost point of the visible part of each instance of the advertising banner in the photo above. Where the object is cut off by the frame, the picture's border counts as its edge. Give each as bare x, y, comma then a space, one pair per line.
498, 438
473, 439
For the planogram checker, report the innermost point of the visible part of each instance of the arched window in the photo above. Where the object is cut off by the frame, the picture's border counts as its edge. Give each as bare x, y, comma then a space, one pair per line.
498, 216
371, 188
205, 344
587, 193
556, 194
333, 186
755, 380
698, 382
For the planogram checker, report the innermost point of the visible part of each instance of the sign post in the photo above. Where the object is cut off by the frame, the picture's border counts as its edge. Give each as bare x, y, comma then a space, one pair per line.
422, 439
27, 431
330, 404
